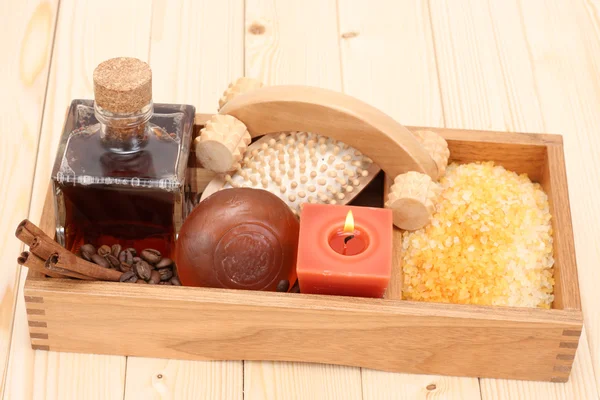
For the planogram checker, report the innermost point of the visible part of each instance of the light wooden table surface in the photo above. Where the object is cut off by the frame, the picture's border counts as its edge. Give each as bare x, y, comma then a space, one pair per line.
514, 65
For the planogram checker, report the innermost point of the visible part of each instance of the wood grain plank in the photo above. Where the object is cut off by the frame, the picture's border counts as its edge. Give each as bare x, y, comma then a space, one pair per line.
196, 50
295, 43
493, 75
388, 60
83, 39
26, 47
153, 378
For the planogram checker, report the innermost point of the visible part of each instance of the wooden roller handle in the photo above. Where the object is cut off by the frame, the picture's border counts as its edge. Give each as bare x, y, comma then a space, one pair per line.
301, 108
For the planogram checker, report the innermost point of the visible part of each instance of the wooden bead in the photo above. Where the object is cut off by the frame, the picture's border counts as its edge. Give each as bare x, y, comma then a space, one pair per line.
412, 200
242, 85
222, 142
436, 146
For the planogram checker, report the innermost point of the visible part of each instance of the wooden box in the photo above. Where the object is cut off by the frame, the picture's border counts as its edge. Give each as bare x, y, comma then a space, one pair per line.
386, 334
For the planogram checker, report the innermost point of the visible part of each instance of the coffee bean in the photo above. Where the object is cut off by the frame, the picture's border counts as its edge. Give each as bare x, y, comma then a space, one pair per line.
165, 274
175, 281
124, 267
134, 278
113, 261
136, 259
143, 270
132, 251
164, 282
283, 285
126, 257
100, 261
151, 255
116, 249
87, 250
165, 262
154, 277
142, 281
295, 288
104, 250
127, 276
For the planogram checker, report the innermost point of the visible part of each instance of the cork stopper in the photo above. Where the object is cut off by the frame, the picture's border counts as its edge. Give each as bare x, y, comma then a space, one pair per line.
123, 85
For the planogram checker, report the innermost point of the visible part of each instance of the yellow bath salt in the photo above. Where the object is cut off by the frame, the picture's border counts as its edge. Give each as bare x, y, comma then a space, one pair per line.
489, 242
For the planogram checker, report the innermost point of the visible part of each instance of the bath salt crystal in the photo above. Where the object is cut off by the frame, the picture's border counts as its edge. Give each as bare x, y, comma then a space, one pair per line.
491, 242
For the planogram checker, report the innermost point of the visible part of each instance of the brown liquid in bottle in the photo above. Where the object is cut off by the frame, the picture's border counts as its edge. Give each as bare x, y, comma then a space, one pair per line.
107, 214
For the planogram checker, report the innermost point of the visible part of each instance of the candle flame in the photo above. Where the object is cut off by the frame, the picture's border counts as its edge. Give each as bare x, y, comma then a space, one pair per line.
349, 225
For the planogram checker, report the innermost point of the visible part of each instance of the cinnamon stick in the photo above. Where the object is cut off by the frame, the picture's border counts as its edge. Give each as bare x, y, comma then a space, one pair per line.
59, 260
70, 262
27, 231
35, 263
50, 267
44, 247
39, 242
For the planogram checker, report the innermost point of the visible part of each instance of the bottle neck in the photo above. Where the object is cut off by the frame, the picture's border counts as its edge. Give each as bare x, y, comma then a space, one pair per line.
124, 133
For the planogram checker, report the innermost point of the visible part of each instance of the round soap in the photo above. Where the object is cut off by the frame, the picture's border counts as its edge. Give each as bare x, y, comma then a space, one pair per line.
238, 238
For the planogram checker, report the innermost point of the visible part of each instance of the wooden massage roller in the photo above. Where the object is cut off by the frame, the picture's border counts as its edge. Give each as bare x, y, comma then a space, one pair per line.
354, 142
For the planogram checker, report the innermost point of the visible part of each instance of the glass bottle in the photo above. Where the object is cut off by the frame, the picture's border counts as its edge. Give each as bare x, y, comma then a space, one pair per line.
119, 173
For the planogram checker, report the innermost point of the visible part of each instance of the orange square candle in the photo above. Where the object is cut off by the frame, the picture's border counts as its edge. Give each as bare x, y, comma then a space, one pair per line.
344, 250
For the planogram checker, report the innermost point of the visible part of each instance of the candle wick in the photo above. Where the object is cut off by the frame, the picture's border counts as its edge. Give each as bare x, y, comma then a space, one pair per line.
347, 239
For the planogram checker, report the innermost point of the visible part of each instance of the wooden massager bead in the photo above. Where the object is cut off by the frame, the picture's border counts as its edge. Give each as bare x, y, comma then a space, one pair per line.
221, 143
242, 85
437, 148
412, 200
390, 145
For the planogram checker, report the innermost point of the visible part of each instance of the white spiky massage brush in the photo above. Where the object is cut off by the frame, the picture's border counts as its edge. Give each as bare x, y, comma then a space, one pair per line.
300, 167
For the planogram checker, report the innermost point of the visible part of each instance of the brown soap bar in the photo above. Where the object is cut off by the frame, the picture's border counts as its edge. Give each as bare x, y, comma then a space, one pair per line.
238, 238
